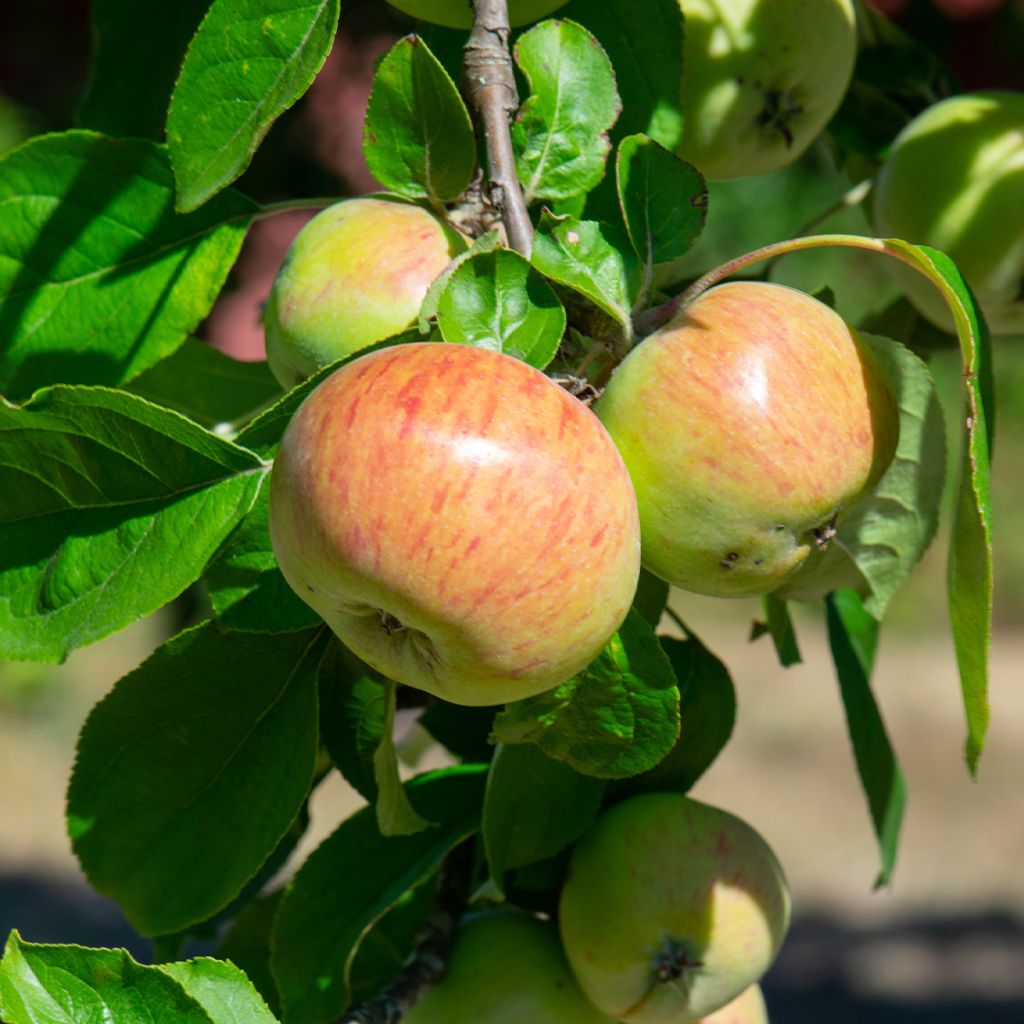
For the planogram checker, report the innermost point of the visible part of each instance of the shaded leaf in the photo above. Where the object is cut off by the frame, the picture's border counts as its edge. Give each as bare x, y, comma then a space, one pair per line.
174, 802
497, 301
560, 135
249, 61
464, 731
651, 597
99, 278
780, 628
418, 138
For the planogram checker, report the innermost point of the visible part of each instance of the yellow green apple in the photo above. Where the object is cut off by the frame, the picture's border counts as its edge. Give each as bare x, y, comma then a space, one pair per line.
746, 1008
761, 79
671, 908
506, 967
459, 13
460, 521
954, 180
356, 274
749, 423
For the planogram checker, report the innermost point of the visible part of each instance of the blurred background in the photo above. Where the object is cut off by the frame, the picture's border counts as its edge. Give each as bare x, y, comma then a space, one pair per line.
943, 943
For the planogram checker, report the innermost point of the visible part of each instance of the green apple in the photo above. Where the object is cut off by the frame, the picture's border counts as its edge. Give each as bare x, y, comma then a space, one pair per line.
459, 13
506, 967
954, 180
746, 1008
749, 423
355, 275
461, 522
761, 79
671, 908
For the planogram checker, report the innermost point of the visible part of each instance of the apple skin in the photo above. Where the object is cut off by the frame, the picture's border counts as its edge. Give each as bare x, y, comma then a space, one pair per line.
749, 423
663, 875
354, 275
506, 967
954, 180
761, 79
459, 13
746, 1008
461, 522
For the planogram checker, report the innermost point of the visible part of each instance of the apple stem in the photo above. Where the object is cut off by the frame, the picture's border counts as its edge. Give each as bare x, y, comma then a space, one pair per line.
426, 967
489, 80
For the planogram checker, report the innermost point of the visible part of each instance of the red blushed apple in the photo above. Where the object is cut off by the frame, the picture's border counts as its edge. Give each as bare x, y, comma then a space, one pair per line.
462, 523
671, 908
749, 423
356, 274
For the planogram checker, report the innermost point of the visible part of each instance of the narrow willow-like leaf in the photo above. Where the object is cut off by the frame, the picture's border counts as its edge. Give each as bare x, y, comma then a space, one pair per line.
418, 138
353, 878
780, 627
46, 984
175, 800
99, 278
113, 507
617, 718
534, 807
645, 44
853, 637
497, 301
596, 260
249, 61
561, 133
138, 51
664, 200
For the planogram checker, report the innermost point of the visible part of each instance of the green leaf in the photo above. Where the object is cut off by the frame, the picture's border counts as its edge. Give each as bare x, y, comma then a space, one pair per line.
707, 709
192, 769
428, 309
561, 134
497, 301
138, 50
207, 386
664, 200
651, 597
418, 138
780, 627
970, 554
99, 278
853, 637
246, 944
351, 881
222, 990
246, 588
596, 260
249, 61
533, 808
617, 718
645, 44
45, 984
464, 731
113, 507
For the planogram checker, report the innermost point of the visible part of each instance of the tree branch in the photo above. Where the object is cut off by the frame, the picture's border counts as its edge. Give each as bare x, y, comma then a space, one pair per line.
491, 86
426, 967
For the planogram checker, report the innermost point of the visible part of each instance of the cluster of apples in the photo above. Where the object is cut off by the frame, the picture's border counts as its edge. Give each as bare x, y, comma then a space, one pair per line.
671, 912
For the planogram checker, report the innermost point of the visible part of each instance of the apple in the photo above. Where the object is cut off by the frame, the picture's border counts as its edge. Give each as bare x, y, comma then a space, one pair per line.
354, 275
746, 1008
954, 180
459, 13
761, 79
671, 908
461, 522
749, 423
506, 967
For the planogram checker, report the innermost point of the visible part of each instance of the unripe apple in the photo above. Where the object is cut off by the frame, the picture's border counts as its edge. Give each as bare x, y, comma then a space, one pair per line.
459, 13
671, 908
354, 275
954, 180
746, 1008
761, 79
748, 423
460, 521
506, 967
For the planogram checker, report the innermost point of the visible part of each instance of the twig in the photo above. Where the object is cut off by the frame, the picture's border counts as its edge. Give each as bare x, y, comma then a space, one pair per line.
491, 85
426, 966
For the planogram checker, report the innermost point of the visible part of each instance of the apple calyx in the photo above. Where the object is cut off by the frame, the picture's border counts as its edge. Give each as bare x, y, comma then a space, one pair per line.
780, 107
673, 961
